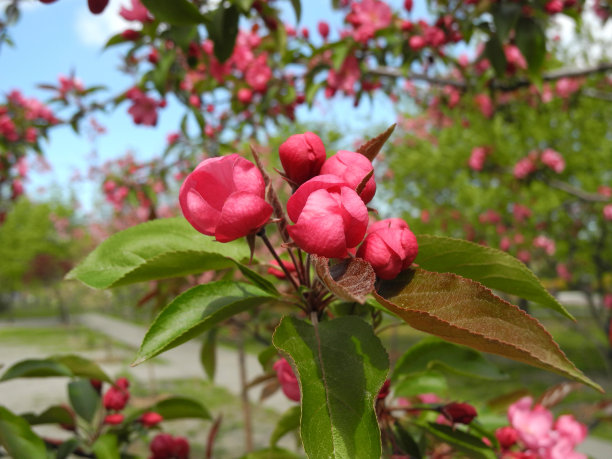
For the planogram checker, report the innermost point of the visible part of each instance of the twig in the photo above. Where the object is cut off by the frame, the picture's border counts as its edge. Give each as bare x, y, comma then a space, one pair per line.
574, 191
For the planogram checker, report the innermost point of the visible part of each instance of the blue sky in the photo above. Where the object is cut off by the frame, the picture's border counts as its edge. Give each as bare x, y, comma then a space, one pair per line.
63, 37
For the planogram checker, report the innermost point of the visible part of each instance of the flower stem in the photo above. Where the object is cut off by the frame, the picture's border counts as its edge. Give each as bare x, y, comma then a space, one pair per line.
266, 241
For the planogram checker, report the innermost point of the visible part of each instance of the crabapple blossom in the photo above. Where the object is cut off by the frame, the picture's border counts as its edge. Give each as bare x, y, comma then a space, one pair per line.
477, 158
389, 247
607, 212
367, 17
524, 167
137, 12
352, 168
165, 446
533, 425
286, 378
330, 217
323, 28
545, 243
553, 160
302, 156
506, 436
97, 6
224, 197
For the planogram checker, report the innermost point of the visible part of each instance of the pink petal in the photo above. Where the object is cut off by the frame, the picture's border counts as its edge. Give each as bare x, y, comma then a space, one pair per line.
297, 201
356, 227
197, 211
242, 214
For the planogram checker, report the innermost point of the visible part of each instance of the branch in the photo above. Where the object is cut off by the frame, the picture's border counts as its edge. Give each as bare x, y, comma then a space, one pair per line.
553, 75
581, 194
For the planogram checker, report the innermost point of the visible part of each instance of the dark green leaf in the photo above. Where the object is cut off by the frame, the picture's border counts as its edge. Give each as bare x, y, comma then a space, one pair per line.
106, 447
115, 40
176, 12
67, 448
491, 267
531, 40
266, 355
257, 279
495, 53
17, 437
505, 15
181, 408
469, 444
155, 250
222, 29
297, 7
196, 311
82, 367
341, 366
208, 353
433, 353
464, 312
160, 73
408, 443
36, 368
289, 421
84, 399
271, 453
52, 415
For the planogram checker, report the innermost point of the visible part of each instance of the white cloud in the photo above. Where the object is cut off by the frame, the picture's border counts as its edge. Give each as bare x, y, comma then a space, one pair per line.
95, 29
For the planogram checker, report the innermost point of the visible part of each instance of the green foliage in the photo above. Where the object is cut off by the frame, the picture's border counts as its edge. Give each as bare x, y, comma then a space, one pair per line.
60, 365
341, 366
155, 250
289, 421
18, 438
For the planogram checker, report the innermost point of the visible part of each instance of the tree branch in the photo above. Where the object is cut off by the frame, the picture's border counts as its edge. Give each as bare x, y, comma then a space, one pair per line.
392, 72
581, 194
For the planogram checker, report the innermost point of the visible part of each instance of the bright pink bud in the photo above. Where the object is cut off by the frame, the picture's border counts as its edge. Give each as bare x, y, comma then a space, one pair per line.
352, 168
462, 413
506, 436
280, 273
416, 42
165, 446
302, 156
224, 197
408, 5
113, 419
330, 217
115, 398
245, 95
122, 383
288, 381
554, 6
151, 418
389, 247
323, 28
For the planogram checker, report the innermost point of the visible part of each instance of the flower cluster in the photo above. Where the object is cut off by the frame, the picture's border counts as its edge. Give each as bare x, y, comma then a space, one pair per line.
531, 163
533, 432
115, 399
166, 446
225, 197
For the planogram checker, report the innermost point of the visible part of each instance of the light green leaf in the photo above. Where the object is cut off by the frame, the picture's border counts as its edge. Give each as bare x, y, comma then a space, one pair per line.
176, 12
181, 408
434, 353
341, 366
257, 279
491, 267
82, 367
155, 250
208, 353
421, 383
18, 438
462, 311
106, 447
36, 368
289, 421
271, 453
196, 311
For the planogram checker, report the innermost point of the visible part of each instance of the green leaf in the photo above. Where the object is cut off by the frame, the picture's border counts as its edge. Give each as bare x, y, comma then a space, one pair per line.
155, 250
84, 399
271, 453
196, 311
505, 15
267, 355
491, 267
297, 8
222, 28
208, 353
18, 438
181, 408
421, 383
473, 446
531, 40
289, 421
495, 53
433, 353
115, 40
82, 367
176, 12
341, 366
408, 443
160, 73
52, 415
257, 279
36, 368
67, 448
462, 311
106, 447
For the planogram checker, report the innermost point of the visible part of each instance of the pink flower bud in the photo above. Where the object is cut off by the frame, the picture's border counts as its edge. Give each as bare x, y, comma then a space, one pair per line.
389, 247
553, 159
113, 419
280, 273
330, 217
165, 446
115, 398
506, 436
408, 5
97, 6
245, 95
462, 413
416, 42
554, 6
224, 197
323, 28
130, 34
352, 168
151, 418
288, 381
302, 156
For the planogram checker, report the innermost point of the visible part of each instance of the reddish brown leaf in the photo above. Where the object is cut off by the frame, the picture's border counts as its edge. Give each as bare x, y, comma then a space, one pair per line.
352, 279
557, 393
373, 146
465, 312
